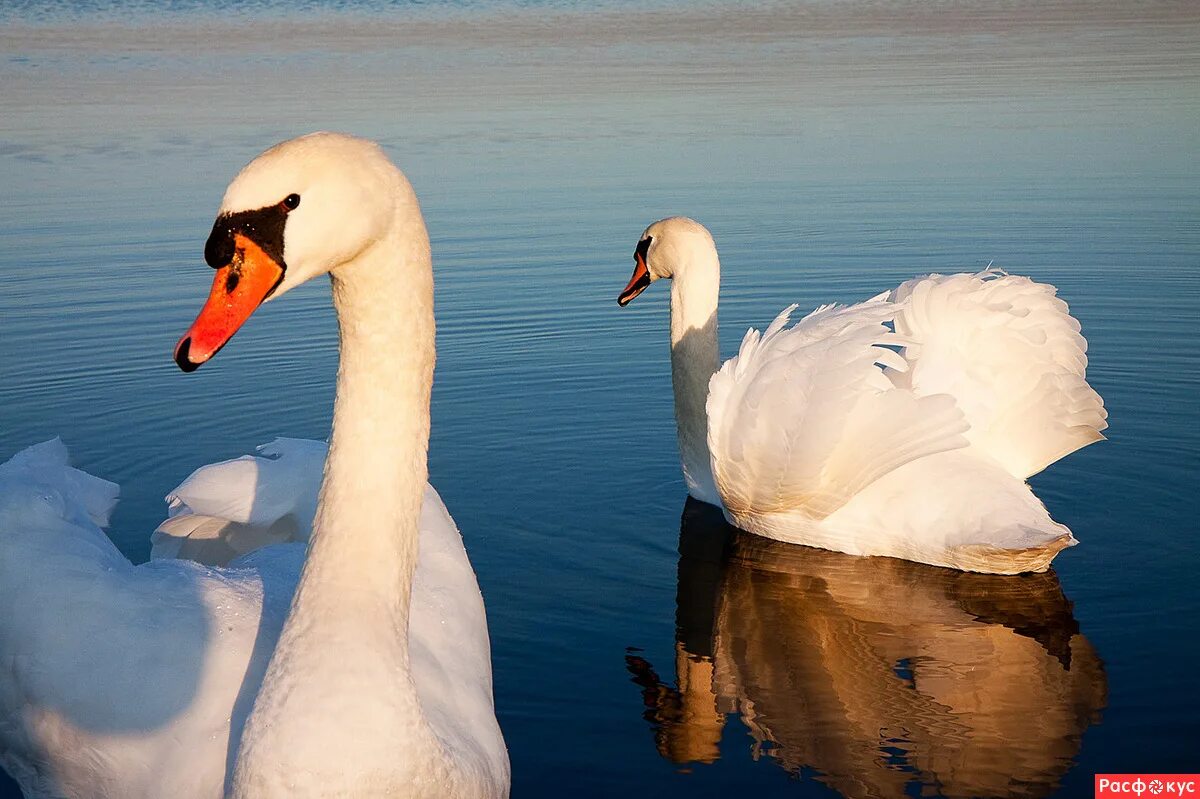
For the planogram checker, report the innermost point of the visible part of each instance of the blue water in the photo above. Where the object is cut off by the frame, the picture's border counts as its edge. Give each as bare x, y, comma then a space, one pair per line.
834, 149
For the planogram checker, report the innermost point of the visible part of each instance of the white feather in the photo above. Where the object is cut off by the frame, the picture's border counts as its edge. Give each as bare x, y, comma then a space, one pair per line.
227, 509
803, 418
1009, 352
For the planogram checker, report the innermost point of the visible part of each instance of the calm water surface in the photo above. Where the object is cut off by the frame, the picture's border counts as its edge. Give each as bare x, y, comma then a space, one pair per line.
834, 149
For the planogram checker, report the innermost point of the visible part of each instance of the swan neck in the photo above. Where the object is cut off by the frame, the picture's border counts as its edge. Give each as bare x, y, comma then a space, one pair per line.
342, 660
695, 357
366, 528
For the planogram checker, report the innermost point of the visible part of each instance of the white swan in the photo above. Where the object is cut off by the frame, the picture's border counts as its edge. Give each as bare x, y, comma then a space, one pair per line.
124, 681
841, 433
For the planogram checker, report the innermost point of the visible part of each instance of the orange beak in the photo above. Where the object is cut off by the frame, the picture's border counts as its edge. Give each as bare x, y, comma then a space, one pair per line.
638, 283
238, 289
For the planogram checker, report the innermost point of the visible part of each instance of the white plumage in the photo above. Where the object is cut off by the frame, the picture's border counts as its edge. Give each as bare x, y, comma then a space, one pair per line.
905, 425
134, 681
118, 681
1010, 353
230, 508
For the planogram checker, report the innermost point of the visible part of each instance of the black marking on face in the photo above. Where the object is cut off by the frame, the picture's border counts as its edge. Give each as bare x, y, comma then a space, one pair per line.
643, 250
263, 226
639, 285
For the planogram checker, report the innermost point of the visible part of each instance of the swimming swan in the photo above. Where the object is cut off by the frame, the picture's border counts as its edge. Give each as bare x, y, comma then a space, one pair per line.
912, 441
360, 670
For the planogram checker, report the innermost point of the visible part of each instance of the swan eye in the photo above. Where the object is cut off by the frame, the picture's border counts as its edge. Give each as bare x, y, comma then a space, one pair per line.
291, 201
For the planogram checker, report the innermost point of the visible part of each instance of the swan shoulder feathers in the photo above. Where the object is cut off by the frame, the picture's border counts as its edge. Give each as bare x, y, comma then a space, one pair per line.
115, 670
120, 680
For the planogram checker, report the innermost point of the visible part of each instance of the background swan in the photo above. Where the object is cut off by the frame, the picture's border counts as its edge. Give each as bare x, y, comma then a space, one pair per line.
904, 426
341, 674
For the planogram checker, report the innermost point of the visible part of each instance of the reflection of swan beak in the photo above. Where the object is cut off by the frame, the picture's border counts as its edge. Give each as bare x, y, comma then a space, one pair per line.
637, 284
238, 289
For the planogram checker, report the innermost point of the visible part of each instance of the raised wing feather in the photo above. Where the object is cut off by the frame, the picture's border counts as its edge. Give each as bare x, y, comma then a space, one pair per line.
803, 418
227, 509
1010, 353
231, 512
73, 493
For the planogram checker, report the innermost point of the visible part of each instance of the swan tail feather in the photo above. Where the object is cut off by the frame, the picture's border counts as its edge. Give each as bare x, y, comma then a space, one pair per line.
956, 508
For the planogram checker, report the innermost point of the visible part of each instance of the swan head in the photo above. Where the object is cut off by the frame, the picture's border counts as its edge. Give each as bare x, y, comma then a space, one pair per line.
302, 209
664, 248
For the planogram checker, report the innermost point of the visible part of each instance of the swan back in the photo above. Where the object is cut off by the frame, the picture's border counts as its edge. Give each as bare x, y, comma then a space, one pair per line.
912, 442
123, 681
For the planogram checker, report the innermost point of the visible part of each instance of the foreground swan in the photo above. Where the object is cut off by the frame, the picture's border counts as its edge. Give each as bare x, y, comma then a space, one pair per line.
841, 433
124, 681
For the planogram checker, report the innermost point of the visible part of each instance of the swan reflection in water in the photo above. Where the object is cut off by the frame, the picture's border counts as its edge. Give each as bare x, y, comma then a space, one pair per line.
876, 673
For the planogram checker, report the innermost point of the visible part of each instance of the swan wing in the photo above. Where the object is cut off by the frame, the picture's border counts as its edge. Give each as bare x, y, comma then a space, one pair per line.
70, 493
115, 680
1010, 353
803, 418
227, 509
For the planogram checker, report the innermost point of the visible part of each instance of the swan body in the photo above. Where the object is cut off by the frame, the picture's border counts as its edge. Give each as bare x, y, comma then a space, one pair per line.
356, 666
902, 426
